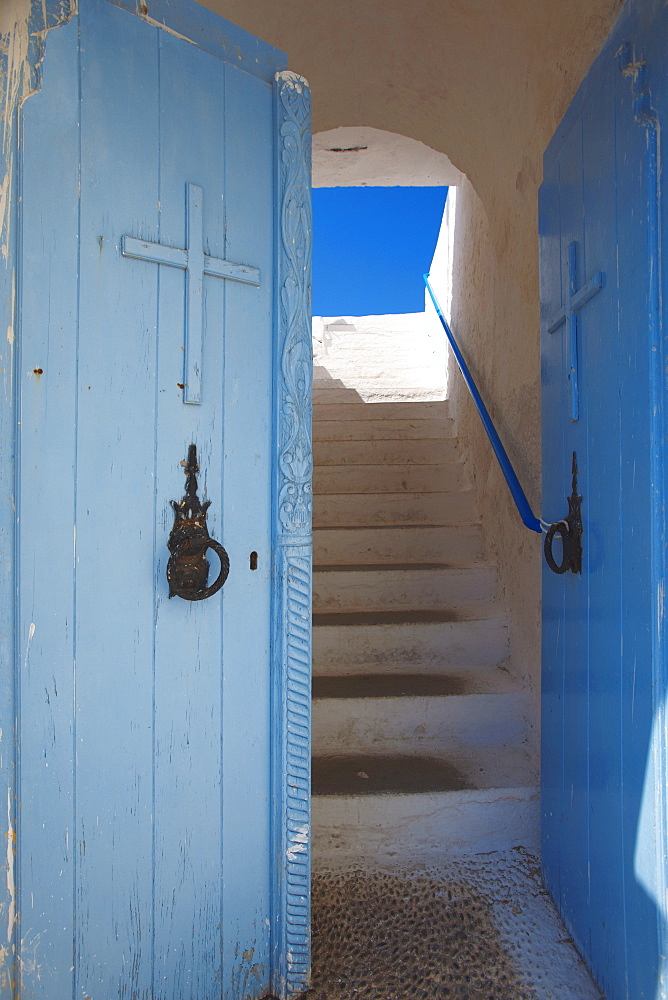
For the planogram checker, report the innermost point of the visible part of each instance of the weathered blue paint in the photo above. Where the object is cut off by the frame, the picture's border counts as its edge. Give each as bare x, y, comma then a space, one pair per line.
604, 657
209, 33
147, 729
196, 264
20, 72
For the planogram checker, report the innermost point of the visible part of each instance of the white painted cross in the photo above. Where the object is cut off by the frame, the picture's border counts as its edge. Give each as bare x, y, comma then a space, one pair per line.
196, 264
577, 298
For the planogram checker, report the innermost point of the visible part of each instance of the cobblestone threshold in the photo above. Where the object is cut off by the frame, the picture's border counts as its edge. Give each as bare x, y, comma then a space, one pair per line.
480, 928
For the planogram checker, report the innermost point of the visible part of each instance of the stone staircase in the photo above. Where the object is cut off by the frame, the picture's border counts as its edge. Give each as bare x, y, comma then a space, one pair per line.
421, 740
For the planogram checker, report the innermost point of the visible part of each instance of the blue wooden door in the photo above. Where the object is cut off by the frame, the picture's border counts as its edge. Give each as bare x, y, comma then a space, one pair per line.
149, 803
603, 385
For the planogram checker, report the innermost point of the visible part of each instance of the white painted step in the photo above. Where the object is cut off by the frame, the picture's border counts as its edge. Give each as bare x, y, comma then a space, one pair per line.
468, 673
434, 451
370, 588
405, 342
456, 546
364, 368
350, 510
354, 410
403, 829
485, 736
389, 478
406, 684
383, 377
424, 646
403, 429
328, 390
350, 336
368, 351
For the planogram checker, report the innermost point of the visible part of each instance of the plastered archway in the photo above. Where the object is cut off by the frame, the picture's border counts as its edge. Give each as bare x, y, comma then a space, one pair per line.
360, 156
486, 83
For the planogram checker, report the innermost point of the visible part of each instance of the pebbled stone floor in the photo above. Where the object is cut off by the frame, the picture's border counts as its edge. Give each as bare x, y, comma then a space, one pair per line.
478, 928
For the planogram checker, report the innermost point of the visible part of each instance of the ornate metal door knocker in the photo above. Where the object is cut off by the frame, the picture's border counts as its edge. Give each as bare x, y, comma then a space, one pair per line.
570, 532
188, 567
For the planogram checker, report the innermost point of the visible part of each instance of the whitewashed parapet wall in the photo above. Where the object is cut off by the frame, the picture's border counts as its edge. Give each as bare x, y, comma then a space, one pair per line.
441, 276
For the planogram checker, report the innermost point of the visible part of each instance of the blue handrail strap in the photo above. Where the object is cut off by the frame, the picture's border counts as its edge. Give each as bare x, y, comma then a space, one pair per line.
519, 496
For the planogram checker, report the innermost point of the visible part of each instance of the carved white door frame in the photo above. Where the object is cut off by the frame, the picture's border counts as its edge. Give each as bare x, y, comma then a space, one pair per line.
292, 548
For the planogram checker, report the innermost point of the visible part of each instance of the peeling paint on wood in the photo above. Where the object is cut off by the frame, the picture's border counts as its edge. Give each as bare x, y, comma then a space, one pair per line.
20, 34
11, 855
16, 72
145, 16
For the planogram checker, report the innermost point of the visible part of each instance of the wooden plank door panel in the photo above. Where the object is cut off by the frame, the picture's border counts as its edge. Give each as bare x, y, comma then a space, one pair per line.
554, 400
47, 486
638, 695
152, 814
604, 666
601, 485
116, 510
248, 393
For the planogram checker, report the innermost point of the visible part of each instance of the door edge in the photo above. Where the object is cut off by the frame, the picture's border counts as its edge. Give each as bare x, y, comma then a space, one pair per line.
292, 549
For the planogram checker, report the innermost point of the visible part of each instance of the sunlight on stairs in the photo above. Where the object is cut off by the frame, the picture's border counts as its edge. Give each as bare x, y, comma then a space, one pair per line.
422, 748
420, 736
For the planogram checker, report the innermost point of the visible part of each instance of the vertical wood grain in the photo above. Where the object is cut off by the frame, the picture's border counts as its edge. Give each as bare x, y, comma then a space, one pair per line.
9, 265
553, 388
605, 858
47, 365
637, 696
248, 398
605, 559
115, 507
189, 636
576, 889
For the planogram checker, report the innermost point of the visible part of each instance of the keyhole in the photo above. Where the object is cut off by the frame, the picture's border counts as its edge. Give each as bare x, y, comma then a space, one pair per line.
253, 560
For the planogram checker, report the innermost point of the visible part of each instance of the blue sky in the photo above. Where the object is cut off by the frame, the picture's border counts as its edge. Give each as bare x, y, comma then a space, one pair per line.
371, 246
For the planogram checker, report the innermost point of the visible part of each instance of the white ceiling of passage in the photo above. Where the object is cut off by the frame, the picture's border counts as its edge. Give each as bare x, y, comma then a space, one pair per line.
360, 156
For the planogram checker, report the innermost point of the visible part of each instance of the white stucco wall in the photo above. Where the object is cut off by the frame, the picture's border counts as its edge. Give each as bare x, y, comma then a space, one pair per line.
441, 278
497, 328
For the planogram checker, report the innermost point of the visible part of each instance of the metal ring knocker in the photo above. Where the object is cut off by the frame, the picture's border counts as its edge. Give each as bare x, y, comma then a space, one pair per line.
559, 528
189, 541
570, 532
